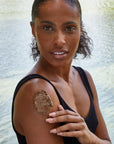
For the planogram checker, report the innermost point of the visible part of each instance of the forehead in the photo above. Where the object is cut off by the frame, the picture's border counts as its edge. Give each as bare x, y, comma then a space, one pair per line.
57, 9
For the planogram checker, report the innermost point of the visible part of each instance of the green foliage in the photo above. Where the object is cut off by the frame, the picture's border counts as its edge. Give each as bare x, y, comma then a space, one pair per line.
107, 6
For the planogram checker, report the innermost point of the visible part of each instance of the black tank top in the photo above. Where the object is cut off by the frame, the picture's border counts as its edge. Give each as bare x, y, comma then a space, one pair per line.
91, 120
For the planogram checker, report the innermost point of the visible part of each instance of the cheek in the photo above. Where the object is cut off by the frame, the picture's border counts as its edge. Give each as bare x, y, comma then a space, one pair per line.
40, 40
44, 43
73, 42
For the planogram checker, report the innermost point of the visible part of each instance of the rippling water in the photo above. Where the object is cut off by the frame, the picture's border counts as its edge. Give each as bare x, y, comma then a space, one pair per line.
15, 60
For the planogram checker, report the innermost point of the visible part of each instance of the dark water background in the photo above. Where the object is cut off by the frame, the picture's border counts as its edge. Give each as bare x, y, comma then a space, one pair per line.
15, 59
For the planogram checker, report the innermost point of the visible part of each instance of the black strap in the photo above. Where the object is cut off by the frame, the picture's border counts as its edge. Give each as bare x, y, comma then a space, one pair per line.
25, 79
85, 80
31, 76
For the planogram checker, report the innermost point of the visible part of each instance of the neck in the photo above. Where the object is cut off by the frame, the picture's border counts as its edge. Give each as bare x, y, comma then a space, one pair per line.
55, 72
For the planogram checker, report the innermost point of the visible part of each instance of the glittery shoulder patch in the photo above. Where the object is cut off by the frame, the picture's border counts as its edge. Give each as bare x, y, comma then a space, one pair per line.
42, 102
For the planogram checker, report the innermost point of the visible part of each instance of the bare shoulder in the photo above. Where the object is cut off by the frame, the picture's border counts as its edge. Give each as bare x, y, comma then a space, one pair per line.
90, 79
92, 84
39, 94
35, 87
34, 101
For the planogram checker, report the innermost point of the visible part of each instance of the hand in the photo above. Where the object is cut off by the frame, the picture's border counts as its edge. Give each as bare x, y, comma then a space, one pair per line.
74, 126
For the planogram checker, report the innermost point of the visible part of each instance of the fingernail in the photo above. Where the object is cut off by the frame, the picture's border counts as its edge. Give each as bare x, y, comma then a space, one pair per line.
53, 131
52, 114
49, 120
60, 134
60, 106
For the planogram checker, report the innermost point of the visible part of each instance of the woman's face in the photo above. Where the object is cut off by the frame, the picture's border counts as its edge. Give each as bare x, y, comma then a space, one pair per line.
57, 31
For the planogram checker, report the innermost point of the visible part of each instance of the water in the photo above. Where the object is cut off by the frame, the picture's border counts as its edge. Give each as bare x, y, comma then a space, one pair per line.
15, 60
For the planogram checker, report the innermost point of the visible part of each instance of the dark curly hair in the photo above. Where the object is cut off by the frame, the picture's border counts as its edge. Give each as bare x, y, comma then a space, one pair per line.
85, 42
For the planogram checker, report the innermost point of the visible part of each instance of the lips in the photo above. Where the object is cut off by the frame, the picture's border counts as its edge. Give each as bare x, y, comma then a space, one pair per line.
59, 54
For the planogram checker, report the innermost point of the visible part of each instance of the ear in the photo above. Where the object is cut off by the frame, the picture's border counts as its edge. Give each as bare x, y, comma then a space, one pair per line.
32, 28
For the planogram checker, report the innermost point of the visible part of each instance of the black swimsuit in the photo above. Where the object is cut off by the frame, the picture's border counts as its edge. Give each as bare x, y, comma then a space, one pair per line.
91, 119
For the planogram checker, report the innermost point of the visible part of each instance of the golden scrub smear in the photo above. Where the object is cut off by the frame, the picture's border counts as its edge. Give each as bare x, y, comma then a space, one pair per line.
42, 102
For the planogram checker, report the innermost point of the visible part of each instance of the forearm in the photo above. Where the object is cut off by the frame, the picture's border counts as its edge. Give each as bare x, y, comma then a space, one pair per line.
97, 140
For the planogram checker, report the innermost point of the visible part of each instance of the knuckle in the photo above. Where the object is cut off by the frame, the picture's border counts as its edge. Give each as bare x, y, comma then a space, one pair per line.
76, 114
55, 119
58, 129
66, 111
67, 117
70, 125
82, 125
82, 119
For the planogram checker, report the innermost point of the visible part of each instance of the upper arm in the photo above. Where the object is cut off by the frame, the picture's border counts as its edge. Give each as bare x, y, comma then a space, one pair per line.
101, 130
32, 121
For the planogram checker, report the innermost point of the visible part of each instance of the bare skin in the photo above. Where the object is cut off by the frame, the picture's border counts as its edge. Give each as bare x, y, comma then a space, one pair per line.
75, 127
57, 32
42, 102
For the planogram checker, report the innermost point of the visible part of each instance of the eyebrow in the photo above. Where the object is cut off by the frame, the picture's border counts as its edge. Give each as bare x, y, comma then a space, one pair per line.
70, 22
67, 23
48, 22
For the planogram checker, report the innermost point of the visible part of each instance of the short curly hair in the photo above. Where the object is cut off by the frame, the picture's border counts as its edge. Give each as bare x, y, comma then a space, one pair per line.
85, 42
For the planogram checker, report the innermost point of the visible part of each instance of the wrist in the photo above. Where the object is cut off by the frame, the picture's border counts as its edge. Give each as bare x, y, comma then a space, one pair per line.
96, 140
93, 139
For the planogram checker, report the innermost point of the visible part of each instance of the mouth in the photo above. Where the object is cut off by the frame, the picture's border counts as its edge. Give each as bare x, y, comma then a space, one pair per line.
59, 54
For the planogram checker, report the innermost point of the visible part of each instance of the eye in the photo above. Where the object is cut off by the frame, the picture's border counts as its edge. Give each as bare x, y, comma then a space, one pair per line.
48, 28
70, 28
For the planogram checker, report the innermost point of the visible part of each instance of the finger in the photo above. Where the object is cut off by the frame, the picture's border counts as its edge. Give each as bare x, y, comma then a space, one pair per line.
60, 107
63, 112
65, 118
76, 134
68, 127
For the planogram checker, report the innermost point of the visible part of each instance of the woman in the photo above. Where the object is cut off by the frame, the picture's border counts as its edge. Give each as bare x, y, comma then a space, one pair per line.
57, 103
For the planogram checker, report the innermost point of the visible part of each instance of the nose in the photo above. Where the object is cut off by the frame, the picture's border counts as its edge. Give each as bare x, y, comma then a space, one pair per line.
60, 39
